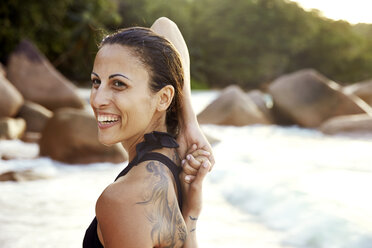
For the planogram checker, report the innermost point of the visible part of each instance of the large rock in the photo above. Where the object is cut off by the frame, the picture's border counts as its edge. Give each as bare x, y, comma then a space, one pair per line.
31, 137
10, 99
22, 175
71, 136
362, 90
232, 107
38, 81
307, 98
8, 176
35, 116
12, 128
264, 103
350, 124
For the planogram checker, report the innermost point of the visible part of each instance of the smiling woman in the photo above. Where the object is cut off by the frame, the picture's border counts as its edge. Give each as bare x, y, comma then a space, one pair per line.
136, 96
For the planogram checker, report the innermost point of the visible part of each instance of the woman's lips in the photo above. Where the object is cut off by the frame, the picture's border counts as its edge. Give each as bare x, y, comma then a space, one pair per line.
104, 125
106, 120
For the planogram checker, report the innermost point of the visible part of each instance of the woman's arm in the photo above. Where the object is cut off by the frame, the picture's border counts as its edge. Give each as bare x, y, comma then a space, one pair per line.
190, 132
192, 200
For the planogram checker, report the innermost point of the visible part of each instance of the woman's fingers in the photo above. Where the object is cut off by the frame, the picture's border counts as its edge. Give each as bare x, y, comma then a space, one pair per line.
206, 151
187, 169
191, 166
194, 162
198, 177
211, 159
202, 172
189, 178
200, 152
192, 149
186, 178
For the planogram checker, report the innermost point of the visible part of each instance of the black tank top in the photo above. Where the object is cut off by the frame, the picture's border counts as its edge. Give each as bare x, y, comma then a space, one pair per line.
153, 140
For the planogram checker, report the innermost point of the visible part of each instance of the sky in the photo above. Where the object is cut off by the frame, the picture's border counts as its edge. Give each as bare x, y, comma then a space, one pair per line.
353, 11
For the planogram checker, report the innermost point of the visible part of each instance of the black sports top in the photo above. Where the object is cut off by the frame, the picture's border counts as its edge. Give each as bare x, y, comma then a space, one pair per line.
153, 140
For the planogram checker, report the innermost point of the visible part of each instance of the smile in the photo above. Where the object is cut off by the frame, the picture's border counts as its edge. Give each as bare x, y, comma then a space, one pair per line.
106, 121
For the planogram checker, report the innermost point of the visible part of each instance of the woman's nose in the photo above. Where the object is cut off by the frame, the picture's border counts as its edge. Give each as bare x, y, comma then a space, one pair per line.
100, 97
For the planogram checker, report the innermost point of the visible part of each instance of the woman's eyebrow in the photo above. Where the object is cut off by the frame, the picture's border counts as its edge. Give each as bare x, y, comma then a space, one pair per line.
95, 74
118, 75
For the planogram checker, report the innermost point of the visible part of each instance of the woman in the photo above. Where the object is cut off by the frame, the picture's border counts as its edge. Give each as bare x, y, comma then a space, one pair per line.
137, 100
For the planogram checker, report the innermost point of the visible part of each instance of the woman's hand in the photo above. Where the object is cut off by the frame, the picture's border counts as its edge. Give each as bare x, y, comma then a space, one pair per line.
192, 137
191, 165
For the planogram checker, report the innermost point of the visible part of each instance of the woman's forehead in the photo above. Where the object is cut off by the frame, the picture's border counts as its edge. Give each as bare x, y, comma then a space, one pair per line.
117, 58
116, 52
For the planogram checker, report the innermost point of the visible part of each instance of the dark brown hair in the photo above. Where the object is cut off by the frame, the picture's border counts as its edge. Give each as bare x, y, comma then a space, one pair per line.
162, 61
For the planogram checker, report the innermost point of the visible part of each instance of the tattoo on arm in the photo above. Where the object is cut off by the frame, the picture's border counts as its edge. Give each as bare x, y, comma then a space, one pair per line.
168, 227
193, 218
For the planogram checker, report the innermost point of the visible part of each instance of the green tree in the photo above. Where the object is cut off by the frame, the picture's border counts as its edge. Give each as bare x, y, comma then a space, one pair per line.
248, 42
65, 30
245, 42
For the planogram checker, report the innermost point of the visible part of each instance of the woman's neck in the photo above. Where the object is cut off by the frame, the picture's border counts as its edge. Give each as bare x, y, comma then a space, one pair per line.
130, 144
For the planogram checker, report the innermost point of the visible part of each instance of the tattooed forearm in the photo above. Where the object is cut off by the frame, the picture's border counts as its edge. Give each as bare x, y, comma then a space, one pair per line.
168, 227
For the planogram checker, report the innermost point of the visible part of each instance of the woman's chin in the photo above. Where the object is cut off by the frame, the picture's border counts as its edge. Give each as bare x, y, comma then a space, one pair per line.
106, 141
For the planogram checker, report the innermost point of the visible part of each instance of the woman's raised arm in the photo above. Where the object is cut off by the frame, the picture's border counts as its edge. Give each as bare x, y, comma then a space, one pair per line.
190, 132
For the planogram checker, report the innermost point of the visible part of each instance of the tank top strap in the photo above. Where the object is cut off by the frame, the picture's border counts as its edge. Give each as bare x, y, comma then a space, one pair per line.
152, 141
171, 166
125, 170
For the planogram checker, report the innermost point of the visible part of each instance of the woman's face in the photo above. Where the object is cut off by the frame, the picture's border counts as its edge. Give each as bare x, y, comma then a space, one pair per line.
121, 99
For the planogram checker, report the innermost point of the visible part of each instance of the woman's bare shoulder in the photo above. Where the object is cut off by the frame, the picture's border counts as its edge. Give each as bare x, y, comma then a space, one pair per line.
147, 197
121, 220
137, 184
123, 190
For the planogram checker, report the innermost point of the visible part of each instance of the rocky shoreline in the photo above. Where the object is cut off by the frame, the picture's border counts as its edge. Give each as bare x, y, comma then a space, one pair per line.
39, 105
304, 98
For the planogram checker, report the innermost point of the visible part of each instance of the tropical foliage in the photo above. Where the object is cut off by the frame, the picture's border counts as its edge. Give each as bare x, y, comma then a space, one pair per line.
245, 42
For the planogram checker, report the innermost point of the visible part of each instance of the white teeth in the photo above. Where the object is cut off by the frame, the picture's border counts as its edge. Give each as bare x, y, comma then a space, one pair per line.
107, 118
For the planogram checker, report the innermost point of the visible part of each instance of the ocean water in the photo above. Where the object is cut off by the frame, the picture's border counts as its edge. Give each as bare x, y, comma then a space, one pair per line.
271, 187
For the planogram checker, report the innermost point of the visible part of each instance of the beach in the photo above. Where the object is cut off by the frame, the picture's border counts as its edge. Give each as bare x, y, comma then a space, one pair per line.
271, 187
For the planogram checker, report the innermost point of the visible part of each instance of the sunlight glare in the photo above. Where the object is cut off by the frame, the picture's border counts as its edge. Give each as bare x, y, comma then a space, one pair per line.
356, 11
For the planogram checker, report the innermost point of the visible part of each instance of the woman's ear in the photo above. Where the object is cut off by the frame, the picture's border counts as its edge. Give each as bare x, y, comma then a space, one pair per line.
165, 95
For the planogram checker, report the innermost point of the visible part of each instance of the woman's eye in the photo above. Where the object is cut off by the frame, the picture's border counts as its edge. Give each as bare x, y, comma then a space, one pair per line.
96, 82
119, 84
